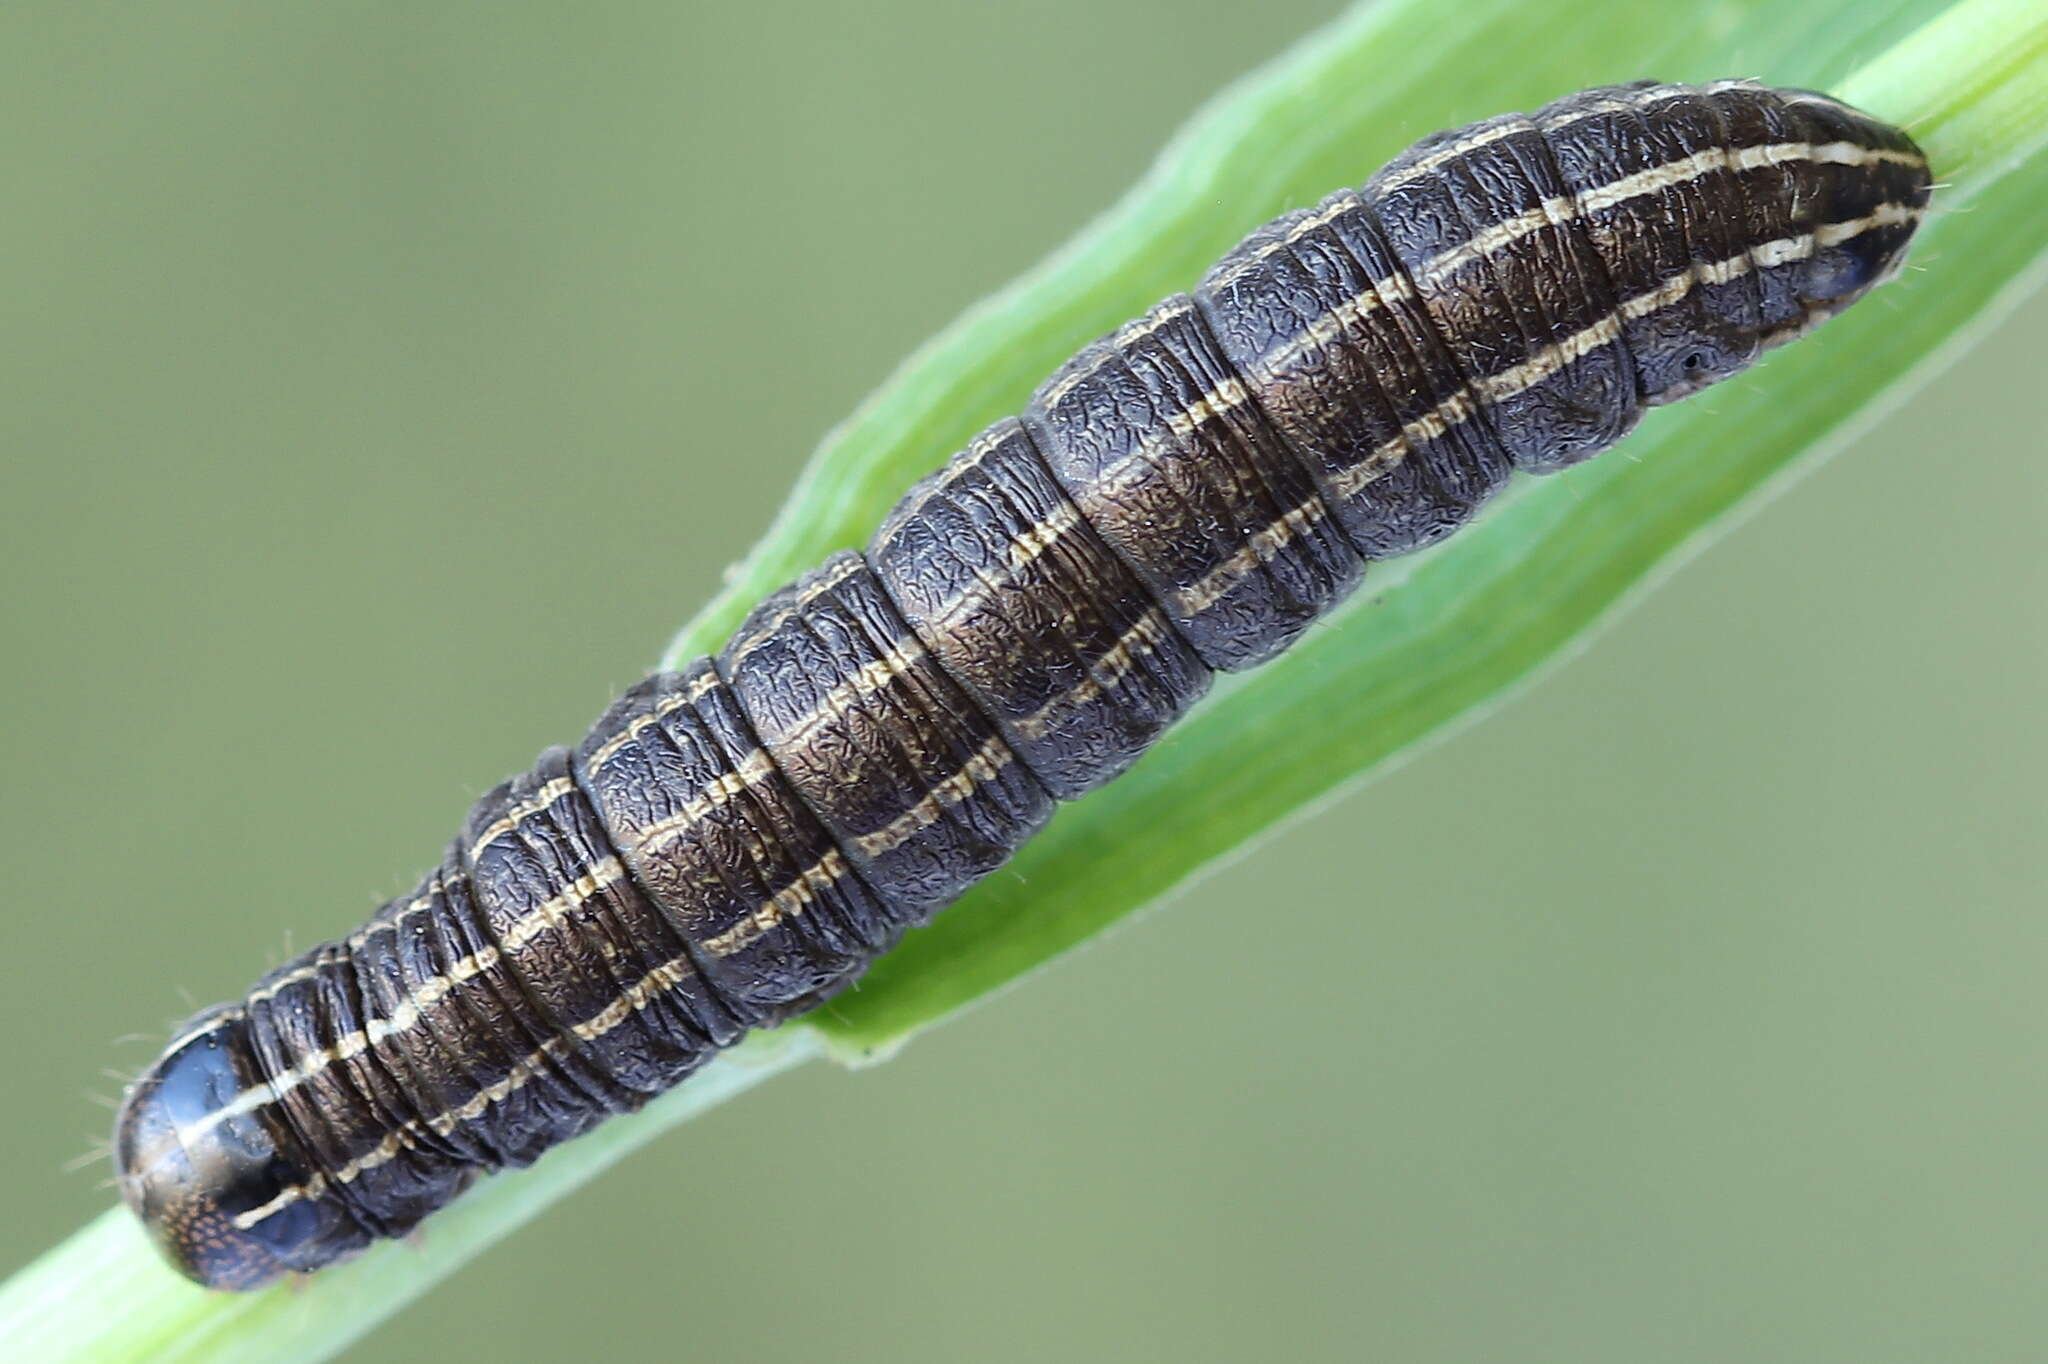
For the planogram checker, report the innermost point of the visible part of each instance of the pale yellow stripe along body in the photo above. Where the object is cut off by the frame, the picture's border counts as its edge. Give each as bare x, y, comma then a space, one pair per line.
1558, 211
847, 666
1458, 408
1453, 151
1230, 394
1431, 426
668, 705
789, 901
607, 874
1551, 359
541, 800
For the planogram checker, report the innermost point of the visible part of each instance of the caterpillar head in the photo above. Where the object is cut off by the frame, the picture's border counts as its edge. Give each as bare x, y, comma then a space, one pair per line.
197, 1160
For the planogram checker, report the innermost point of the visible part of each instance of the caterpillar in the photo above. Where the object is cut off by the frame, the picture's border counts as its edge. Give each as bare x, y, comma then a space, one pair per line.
733, 842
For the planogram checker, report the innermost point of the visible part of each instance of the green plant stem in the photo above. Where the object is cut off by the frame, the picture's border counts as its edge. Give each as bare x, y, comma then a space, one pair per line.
1993, 115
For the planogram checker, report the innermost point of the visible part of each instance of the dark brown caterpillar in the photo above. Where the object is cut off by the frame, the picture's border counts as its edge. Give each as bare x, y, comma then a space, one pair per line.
732, 843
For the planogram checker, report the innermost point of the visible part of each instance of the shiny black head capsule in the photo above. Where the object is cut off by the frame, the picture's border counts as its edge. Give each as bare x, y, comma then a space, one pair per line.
197, 1161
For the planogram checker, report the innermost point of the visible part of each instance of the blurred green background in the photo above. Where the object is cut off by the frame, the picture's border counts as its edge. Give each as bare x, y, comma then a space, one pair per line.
386, 382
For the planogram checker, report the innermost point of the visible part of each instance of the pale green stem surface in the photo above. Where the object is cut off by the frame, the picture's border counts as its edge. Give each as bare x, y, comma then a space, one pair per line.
1432, 639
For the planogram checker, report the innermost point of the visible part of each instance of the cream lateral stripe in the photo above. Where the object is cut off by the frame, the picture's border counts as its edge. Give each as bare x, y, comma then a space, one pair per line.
1123, 336
1023, 550
1321, 331
1554, 212
1814, 97
1792, 331
1030, 544
903, 656
1461, 405
900, 657
988, 760
1259, 548
1266, 541
787, 903
335, 953
1497, 237
1181, 424
1321, 218
1327, 327
552, 913
782, 614
549, 915
1104, 674
977, 450
667, 706
636, 997
1454, 410
980, 767
417, 905
1443, 156
322, 959
1500, 236
540, 800
1230, 393
1486, 137
756, 766
1739, 159
790, 901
